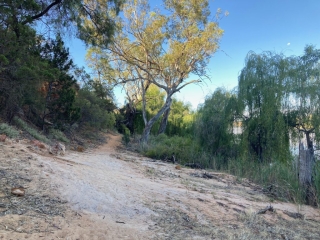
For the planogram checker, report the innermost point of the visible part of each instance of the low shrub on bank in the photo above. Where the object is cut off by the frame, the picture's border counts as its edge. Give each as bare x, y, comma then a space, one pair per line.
8, 130
183, 149
33, 132
58, 135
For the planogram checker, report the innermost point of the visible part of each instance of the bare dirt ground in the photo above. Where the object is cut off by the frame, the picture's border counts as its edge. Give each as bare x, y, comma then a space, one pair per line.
111, 193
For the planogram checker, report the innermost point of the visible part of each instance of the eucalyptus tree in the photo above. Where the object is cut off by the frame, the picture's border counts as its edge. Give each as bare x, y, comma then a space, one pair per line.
261, 92
101, 73
164, 47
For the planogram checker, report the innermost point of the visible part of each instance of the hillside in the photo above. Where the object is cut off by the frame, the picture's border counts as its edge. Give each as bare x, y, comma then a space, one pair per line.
111, 193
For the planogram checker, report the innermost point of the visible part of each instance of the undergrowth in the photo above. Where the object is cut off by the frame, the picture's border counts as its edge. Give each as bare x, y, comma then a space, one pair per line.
183, 149
58, 135
279, 179
33, 132
8, 130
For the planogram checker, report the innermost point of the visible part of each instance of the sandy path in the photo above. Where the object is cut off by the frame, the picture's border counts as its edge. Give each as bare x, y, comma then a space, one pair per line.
105, 191
115, 194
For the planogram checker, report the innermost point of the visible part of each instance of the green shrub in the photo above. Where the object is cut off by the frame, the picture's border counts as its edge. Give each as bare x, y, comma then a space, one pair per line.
8, 130
184, 149
94, 112
57, 134
33, 132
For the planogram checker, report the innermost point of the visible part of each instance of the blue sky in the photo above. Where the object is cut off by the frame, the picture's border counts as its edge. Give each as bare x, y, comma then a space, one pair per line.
285, 26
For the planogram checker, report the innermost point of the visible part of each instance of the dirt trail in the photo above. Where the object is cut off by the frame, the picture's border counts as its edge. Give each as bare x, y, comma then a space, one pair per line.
115, 194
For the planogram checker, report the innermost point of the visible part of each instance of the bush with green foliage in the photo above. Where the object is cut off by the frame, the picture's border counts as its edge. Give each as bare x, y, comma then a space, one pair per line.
94, 111
184, 149
60, 92
33, 132
8, 130
58, 135
180, 120
126, 135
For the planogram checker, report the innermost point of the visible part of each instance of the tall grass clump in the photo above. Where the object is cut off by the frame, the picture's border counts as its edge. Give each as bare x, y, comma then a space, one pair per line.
8, 130
33, 132
317, 181
278, 179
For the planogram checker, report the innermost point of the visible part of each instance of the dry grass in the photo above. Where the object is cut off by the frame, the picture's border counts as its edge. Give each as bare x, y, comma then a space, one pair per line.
187, 219
174, 223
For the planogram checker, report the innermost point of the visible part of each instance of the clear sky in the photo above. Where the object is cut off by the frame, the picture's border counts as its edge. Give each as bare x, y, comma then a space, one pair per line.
285, 26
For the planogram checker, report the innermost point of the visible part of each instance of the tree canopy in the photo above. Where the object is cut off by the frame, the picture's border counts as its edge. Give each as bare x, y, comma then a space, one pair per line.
91, 18
37, 76
170, 50
262, 87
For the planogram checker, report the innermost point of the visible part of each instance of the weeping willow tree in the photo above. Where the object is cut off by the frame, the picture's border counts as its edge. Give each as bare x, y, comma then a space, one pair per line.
280, 99
214, 125
261, 91
302, 104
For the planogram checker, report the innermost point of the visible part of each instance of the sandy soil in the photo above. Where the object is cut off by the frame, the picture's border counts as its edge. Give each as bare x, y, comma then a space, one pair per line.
111, 193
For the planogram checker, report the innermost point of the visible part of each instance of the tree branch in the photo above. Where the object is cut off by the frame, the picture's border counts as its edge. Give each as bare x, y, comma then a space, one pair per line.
193, 81
39, 15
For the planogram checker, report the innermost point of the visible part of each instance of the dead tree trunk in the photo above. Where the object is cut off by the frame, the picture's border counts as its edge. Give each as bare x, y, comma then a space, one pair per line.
306, 164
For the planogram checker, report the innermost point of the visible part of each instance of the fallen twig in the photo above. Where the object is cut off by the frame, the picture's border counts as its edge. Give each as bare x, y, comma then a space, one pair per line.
294, 215
120, 222
263, 211
194, 165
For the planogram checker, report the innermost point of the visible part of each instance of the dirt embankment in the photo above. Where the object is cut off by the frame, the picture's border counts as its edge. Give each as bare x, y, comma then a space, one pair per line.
110, 193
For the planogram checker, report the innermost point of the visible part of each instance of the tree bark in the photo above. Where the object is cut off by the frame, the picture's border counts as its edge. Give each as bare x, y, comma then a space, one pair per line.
306, 164
144, 103
164, 121
150, 123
